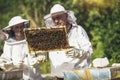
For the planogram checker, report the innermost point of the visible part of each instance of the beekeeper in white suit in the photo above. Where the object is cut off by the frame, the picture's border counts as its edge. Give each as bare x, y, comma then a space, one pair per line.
78, 56
15, 51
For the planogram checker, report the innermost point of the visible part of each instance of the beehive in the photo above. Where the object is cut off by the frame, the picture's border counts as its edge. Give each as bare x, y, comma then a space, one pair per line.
46, 39
107, 73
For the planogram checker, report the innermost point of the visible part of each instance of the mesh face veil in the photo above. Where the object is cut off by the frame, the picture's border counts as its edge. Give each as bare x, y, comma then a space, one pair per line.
58, 8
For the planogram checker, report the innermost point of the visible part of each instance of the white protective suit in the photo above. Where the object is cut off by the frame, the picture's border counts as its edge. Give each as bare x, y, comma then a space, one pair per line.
79, 56
17, 52
60, 62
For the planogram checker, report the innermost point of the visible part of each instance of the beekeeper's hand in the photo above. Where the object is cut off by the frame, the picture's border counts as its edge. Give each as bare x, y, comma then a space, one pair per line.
76, 53
3, 36
7, 66
41, 58
34, 62
73, 52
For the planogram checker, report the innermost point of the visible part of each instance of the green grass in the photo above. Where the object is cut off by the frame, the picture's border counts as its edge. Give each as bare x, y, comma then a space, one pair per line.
45, 67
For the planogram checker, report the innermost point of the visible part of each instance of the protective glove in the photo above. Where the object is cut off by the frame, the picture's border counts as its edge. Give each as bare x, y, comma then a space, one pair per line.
41, 58
73, 52
7, 66
38, 59
35, 62
76, 53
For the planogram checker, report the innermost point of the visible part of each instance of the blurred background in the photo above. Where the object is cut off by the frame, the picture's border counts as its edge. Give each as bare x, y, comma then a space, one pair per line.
100, 18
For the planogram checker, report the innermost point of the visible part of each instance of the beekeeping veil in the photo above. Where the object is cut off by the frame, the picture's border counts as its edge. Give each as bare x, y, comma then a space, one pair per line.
59, 8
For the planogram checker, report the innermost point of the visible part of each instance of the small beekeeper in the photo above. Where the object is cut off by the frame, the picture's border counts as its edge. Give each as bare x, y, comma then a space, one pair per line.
15, 51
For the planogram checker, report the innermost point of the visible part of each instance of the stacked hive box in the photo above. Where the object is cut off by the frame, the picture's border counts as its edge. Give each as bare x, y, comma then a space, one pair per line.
109, 73
11, 75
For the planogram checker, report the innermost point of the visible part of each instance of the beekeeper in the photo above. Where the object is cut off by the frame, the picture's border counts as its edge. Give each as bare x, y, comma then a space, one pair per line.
79, 55
15, 51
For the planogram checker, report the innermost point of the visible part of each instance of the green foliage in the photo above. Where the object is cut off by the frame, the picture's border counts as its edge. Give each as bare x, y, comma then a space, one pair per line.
45, 67
102, 22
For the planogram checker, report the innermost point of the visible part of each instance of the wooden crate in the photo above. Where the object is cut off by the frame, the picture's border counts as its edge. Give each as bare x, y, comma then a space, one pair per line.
48, 77
115, 73
11, 75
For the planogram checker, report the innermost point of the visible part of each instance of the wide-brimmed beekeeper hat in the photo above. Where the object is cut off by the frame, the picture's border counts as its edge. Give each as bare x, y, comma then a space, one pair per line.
57, 8
14, 21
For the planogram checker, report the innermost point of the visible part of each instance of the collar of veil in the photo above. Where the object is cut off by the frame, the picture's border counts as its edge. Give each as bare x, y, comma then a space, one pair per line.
13, 42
